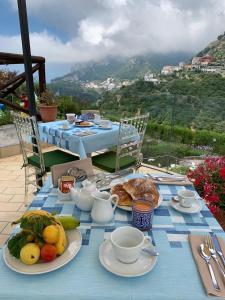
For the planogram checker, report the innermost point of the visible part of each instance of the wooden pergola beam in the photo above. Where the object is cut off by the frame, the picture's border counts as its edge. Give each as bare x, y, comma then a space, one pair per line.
16, 78
11, 58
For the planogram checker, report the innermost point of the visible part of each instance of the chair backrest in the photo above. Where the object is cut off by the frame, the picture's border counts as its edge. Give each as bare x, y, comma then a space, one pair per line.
92, 111
27, 131
131, 136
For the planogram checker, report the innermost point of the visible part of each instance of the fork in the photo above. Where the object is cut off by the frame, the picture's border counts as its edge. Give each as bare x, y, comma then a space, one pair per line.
209, 245
206, 255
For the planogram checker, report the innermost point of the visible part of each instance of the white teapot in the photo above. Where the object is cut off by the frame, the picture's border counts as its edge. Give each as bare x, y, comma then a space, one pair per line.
82, 197
102, 210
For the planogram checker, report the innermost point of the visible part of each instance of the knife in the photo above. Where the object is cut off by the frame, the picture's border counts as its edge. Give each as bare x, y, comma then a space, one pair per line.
218, 248
167, 178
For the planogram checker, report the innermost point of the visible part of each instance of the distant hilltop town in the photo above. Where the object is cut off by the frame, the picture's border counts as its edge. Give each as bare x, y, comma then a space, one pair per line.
204, 63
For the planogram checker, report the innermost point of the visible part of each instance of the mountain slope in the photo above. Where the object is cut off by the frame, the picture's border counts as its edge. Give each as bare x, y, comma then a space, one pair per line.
122, 68
216, 49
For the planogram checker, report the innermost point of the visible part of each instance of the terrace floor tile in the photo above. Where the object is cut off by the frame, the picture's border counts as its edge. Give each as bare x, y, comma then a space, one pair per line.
5, 198
8, 229
9, 216
14, 190
3, 238
9, 206
3, 225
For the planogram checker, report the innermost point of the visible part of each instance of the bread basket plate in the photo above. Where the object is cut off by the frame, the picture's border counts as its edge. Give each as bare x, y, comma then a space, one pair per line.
74, 238
129, 208
90, 124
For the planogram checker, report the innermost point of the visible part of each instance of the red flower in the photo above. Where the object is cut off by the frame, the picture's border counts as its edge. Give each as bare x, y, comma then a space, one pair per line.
214, 209
222, 173
208, 188
213, 198
209, 181
197, 181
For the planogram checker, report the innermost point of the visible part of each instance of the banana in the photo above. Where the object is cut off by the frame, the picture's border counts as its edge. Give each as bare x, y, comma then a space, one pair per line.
68, 222
62, 241
30, 213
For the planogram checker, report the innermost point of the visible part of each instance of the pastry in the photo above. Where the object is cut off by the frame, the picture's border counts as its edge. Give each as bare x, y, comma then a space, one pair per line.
124, 198
84, 123
140, 187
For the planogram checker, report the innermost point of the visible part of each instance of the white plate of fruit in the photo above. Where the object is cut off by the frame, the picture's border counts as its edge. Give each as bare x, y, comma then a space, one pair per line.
43, 244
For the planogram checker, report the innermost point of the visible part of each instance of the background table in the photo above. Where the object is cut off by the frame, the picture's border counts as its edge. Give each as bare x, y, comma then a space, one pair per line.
52, 134
175, 275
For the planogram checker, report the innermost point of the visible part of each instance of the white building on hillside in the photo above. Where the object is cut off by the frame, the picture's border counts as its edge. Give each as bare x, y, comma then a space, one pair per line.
167, 70
149, 77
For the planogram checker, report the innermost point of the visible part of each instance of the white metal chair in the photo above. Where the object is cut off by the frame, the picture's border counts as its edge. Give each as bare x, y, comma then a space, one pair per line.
92, 111
36, 163
128, 150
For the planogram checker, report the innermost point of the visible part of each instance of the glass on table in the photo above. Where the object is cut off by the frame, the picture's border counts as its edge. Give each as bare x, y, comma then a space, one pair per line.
142, 212
100, 179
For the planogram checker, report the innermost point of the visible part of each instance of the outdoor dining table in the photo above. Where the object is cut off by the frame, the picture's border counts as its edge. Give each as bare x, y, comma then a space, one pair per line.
53, 133
175, 275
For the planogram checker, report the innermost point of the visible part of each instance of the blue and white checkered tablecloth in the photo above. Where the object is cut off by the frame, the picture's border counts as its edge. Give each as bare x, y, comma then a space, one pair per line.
175, 275
52, 134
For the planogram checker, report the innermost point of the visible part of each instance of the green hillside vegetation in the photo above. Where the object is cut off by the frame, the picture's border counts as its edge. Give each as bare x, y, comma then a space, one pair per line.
66, 88
197, 102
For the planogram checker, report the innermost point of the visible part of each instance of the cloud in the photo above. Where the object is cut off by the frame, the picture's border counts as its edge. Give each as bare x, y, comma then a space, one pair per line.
94, 29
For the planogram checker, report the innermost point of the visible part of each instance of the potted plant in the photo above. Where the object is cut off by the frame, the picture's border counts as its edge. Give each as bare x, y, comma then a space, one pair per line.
48, 106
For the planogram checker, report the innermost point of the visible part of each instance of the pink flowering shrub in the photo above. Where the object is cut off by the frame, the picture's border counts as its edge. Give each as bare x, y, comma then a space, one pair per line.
209, 181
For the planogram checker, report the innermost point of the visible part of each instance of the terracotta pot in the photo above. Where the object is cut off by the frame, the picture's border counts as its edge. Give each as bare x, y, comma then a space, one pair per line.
48, 112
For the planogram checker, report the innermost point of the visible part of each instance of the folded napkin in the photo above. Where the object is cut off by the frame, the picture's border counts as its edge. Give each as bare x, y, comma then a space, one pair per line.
170, 180
195, 241
84, 133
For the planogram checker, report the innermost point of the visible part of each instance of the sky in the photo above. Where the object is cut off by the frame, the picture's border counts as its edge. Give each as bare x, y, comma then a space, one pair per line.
75, 31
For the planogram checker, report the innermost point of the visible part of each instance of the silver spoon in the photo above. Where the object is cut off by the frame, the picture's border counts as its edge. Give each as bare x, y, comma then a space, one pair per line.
205, 254
150, 251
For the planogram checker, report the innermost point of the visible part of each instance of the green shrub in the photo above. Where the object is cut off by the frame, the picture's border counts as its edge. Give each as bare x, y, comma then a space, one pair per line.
151, 149
67, 105
179, 169
5, 117
182, 135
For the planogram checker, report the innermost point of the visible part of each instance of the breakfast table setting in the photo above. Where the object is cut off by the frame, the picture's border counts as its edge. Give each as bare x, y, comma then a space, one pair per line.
81, 137
120, 252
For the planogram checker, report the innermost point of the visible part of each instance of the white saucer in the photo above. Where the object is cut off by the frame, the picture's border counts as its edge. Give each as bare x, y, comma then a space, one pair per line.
65, 128
195, 208
104, 128
142, 266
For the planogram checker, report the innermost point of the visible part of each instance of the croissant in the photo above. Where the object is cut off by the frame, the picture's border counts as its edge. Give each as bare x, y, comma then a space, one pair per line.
124, 198
136, 188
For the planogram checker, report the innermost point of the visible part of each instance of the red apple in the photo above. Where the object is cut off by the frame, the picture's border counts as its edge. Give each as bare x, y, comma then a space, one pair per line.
48, 252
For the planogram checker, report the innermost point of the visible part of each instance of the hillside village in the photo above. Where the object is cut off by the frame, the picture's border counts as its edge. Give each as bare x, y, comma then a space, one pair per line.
210, 60
205, 64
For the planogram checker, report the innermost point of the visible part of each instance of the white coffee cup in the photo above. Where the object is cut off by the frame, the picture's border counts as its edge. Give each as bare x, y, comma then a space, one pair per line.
127, 243
105, 123
186, 198
70, 118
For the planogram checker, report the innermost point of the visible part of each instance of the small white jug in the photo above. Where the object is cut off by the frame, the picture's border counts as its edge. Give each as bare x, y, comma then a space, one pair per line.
102, 210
